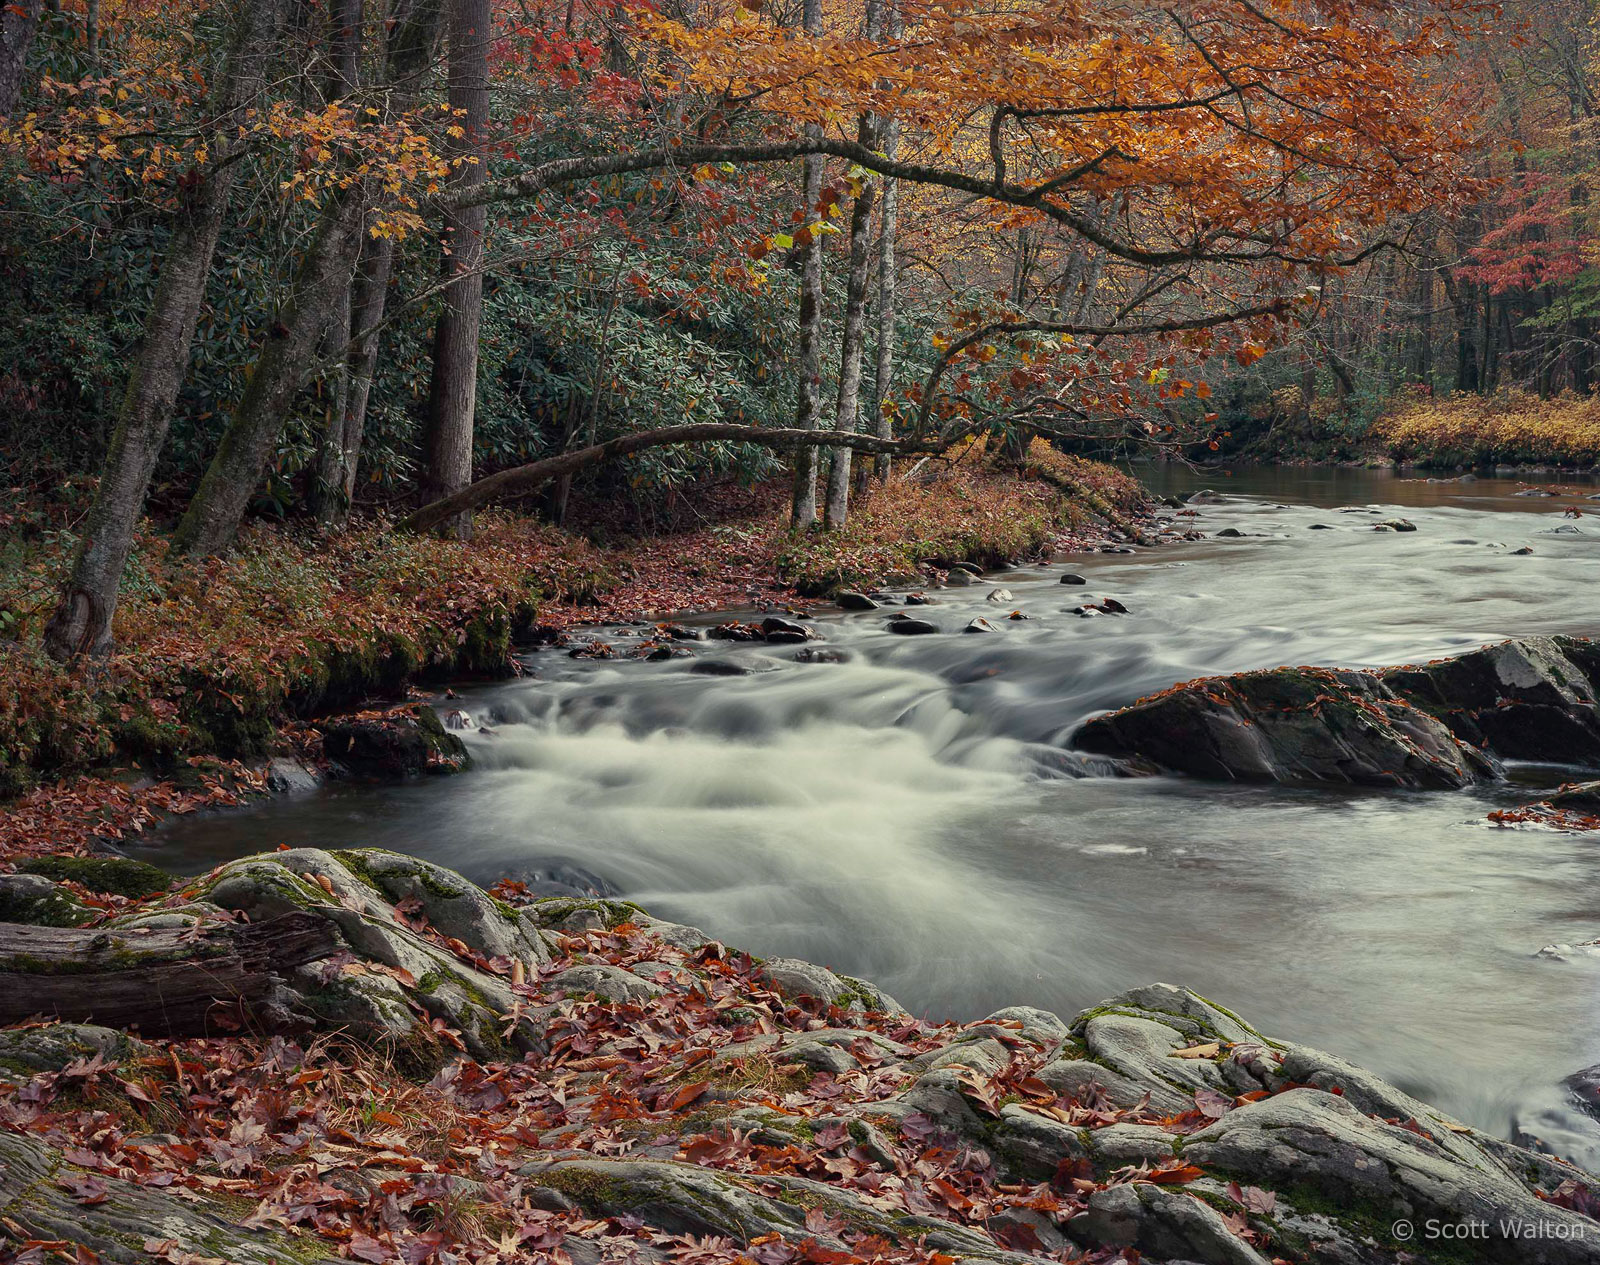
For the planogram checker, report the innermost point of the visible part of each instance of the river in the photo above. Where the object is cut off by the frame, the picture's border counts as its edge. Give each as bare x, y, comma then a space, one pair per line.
913, 815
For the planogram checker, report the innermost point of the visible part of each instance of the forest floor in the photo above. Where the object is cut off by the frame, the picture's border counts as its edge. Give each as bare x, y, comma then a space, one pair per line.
220, 666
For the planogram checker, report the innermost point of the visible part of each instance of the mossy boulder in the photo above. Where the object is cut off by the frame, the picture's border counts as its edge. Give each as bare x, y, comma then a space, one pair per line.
395, 745
36, 901
116, 876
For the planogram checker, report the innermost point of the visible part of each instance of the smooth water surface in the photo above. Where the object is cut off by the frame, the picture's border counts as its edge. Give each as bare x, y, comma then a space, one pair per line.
916, 815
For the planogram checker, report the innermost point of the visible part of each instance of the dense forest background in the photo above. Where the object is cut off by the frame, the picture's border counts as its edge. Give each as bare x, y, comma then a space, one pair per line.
301, 258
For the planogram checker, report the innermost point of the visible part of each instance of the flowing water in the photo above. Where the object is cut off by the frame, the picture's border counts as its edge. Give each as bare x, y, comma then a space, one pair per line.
914, 815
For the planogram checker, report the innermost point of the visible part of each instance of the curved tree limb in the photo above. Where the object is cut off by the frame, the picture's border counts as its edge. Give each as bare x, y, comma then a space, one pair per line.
521, 480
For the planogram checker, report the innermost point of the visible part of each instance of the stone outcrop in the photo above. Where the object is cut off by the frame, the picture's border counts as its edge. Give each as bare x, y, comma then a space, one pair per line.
1437, 725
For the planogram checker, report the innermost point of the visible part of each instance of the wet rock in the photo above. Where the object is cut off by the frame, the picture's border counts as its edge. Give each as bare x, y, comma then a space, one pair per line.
822, 654
734, 630
734, 665
1524, 699
560, 878
1229, 533
1073, 578
780, 631
1579, 796
397, 745
960, 580
981, 625
794, 978
1523, 552
852, 601
290, 777
1320, 527
1534, 492
1294, 725
1205, 496
908, 627
1395, 524
919, 599
998, 595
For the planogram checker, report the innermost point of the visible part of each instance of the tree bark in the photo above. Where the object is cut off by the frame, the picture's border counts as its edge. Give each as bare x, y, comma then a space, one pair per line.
18, 24
340, 453
209, 524
848, 408
452, 397
329, 496
81, 623
170, 982
521, 480
888, 231
808, 391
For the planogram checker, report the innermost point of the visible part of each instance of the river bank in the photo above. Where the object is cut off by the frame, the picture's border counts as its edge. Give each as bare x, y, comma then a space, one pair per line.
577, 1080
217, 669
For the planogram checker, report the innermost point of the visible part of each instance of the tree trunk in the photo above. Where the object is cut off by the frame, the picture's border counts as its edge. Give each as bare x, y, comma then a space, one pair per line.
883, 380
328, 494
214, 514
341, 452
82, 621
18, 23
848, 409
453, 394
169, 982
808, 393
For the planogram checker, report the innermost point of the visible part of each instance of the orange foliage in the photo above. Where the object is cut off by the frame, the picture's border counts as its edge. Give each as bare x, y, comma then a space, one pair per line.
1512, 427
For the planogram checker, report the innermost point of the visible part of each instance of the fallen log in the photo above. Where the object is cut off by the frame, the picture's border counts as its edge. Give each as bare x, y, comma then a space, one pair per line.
191, 980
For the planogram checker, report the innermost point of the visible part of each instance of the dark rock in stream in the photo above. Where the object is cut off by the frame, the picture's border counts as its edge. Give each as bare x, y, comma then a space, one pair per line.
852, 601
1155, 1121
1073, 578
780, 631
394, 745
1304, 725
1579, 796
734, 665
1530, 699
1439, 724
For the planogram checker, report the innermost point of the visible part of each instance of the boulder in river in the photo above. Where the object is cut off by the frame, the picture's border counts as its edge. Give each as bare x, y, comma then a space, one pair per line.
1297, 725
1529, 699
850, 600
981, 625
906, 626
781, 631
1072, 577
396, 744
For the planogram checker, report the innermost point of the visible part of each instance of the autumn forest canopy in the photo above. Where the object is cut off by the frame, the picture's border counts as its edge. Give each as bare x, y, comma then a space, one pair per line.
309, 260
